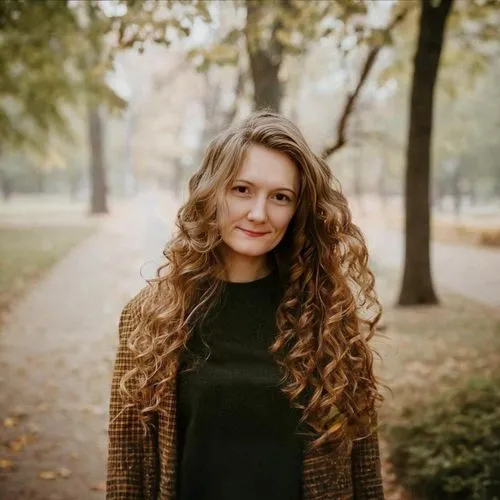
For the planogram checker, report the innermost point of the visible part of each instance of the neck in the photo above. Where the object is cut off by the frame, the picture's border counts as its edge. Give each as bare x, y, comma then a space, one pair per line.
241, 269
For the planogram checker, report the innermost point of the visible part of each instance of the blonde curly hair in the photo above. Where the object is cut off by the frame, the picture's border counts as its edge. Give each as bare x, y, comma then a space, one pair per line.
327, 314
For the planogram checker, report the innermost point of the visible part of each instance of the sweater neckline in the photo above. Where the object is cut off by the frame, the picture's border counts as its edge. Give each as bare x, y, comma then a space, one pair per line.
233, 285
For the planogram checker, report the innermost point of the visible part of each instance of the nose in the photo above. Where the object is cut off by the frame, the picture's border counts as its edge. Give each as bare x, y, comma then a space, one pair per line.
257, 212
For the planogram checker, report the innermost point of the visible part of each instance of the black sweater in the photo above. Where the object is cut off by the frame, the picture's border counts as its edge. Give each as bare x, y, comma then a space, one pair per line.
236, 429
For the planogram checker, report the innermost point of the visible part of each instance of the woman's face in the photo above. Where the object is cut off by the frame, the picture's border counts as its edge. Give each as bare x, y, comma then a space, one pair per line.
259, 205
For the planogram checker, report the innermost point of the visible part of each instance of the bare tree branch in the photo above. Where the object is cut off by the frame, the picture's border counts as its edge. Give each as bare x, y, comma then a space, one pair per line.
352, 97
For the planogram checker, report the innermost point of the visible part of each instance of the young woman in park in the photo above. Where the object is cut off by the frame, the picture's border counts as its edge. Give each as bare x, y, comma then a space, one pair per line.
244, 370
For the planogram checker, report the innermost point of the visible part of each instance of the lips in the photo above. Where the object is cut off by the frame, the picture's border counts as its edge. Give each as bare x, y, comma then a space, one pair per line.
252, 233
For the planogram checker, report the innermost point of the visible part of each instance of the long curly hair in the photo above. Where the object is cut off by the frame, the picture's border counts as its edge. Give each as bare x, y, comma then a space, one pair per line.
329, 309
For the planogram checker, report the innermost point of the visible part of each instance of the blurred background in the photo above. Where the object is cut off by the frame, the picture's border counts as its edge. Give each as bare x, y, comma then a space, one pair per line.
105, 110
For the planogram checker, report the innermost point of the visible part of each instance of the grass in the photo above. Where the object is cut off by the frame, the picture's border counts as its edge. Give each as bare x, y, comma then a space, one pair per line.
28, 252
428, 350
467, 229
463, 232
35, 233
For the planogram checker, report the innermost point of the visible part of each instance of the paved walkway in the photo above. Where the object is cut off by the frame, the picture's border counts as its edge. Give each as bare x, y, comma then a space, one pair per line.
473, 272
56, 355
57, 346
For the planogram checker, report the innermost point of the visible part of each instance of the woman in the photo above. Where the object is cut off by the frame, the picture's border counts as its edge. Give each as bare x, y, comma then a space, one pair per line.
244, 370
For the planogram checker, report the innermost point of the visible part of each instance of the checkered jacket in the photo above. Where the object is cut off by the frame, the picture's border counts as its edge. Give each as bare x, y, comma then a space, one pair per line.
142, 466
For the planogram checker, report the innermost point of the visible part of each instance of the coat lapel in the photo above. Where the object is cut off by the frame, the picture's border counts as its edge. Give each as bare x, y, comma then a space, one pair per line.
167, 444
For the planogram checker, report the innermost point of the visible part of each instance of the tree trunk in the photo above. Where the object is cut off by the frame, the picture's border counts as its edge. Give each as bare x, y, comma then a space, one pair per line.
456, 187
39, 181
128, 179
437, 190
265, 58
382, 179
73, 179
473, 190
98, 197
417, 286
6, 186
496, 186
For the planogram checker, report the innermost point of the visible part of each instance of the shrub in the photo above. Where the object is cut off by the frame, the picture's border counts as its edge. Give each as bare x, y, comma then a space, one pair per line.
451, 448
490, 237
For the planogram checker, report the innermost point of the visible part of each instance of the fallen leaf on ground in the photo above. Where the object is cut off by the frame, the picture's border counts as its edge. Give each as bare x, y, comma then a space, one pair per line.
6, 464
100, 486
47, 474
64, 472
19, 443
94, 409
33, 428
9, 422
19, 412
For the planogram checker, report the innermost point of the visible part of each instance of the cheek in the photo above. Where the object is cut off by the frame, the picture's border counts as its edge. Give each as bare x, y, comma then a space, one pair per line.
236, 210
230, 213
281, 220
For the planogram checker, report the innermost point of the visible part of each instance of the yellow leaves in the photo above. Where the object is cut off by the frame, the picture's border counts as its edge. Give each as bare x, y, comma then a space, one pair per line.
94, 409
379, 37
232, 37
100, 486
9, 422
18, 444
47, 474
50, 159
217, 53
62, 472
6, 464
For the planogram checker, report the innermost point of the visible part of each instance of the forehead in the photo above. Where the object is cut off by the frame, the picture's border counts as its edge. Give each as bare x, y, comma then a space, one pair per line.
266, 166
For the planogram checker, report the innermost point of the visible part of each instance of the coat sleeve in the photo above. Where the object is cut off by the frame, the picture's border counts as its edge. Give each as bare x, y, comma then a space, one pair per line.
129, 448
366, 469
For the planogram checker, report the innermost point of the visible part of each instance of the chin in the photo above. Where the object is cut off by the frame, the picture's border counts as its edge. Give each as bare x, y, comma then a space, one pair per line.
249, 249
250, 252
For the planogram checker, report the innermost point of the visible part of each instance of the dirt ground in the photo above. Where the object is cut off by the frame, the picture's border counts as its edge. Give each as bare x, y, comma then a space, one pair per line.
56, 353
57, 349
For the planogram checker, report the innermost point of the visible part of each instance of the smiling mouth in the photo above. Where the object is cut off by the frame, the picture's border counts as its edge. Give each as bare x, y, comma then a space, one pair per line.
251, 233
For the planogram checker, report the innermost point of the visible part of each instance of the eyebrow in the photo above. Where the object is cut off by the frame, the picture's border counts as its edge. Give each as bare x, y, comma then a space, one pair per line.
275, 189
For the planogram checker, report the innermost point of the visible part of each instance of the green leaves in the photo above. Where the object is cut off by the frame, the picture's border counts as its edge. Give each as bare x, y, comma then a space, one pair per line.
158, 21
40, 45
447, 449
58, 53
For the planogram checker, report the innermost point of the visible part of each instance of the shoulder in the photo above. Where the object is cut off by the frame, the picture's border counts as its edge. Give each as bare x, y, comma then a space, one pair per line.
133, 309
146, 294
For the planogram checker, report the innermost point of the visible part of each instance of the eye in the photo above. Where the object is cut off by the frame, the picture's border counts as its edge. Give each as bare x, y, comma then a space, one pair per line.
240, 189
283, 197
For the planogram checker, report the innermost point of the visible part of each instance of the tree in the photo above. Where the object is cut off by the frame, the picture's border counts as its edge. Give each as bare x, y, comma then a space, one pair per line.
266, 56
417, 286
377, 39
57, 54
95, 60
37, 79
46, 70
273, 30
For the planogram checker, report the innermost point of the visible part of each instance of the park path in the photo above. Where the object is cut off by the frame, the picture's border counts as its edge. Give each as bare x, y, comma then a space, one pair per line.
56, 354
473, 272
57, 346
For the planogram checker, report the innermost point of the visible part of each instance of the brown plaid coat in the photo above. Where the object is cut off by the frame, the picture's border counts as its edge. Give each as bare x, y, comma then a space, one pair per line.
143, 466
